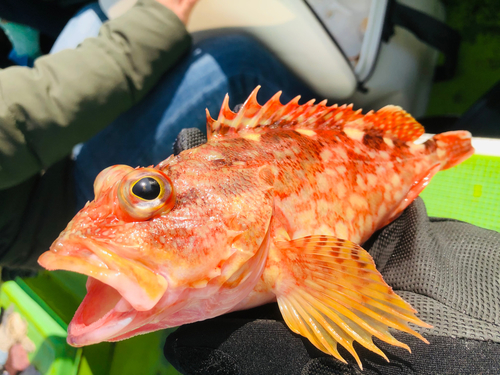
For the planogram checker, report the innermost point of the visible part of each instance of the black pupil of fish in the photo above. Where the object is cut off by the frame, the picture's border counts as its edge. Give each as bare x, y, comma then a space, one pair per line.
147, 188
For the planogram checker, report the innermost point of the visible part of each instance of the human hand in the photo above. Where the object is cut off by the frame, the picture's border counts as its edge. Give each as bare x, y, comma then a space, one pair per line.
181, 8
17, 361
447, 270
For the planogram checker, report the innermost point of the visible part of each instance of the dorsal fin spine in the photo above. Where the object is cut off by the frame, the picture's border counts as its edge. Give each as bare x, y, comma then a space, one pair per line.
210, 124
267, 110
225, 111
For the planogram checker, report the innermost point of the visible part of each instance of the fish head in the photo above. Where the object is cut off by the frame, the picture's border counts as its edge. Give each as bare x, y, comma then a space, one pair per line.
151, 267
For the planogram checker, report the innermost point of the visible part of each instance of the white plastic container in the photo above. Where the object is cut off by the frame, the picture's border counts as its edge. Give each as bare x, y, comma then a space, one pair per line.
399, 72
404, 68
333, 45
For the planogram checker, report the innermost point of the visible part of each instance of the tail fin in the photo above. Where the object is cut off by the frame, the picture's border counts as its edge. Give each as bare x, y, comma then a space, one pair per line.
453, 147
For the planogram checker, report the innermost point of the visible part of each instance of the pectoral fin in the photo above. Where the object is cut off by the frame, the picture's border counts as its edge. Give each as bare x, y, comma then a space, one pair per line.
330, 292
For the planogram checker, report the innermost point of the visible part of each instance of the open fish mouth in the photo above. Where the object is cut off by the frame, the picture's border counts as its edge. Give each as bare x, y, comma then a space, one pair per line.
102, 315
117, 289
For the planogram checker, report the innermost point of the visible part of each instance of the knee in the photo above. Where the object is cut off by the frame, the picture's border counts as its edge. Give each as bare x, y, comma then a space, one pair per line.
234, 40
234, 49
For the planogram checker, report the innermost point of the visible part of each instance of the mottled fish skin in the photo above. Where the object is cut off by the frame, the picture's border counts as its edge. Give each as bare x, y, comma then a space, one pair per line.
345, 182
273, 207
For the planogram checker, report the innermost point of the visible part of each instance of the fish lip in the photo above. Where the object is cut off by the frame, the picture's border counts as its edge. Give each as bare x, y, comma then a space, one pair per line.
136, 283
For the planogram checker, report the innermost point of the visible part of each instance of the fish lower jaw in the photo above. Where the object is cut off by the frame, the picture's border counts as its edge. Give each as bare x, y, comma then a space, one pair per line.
81, 335
102, 315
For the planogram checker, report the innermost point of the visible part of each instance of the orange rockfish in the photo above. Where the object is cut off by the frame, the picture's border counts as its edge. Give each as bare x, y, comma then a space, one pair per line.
272, 207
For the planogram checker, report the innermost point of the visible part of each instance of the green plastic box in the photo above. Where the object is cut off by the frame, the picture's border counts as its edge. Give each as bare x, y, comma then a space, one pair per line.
52, 356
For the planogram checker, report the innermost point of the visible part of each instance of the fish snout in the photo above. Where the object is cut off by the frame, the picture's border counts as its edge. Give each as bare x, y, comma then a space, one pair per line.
141, 286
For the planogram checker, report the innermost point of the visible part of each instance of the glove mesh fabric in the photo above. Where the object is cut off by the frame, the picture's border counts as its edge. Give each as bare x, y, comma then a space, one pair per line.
449, 269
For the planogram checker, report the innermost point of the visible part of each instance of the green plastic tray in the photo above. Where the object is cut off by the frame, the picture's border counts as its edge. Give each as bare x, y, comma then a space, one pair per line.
469, 192
52, 355
58, 295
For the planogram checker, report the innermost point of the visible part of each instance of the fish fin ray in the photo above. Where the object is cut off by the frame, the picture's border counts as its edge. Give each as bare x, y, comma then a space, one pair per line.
346, 301
296, 321
395, 122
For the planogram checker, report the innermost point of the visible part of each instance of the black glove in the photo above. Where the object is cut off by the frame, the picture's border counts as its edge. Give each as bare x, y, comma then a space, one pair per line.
449, 271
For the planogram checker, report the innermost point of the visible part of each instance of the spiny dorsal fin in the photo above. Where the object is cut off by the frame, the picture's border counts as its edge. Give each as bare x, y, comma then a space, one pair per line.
396, 122
252, 117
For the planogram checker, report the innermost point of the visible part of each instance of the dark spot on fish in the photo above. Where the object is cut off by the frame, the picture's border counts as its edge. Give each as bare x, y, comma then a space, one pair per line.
430, 146
362, 265
362, 272
398, 143
334, 253
354, 256
190, 195
339, 261
223, 129
374, 139
221, 163
342, 137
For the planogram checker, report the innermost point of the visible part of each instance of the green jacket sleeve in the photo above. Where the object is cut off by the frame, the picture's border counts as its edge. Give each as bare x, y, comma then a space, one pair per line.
64, 100
71, 95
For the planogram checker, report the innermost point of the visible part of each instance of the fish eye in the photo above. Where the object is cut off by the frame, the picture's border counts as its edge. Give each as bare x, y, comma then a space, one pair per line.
147, 188
145, 193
